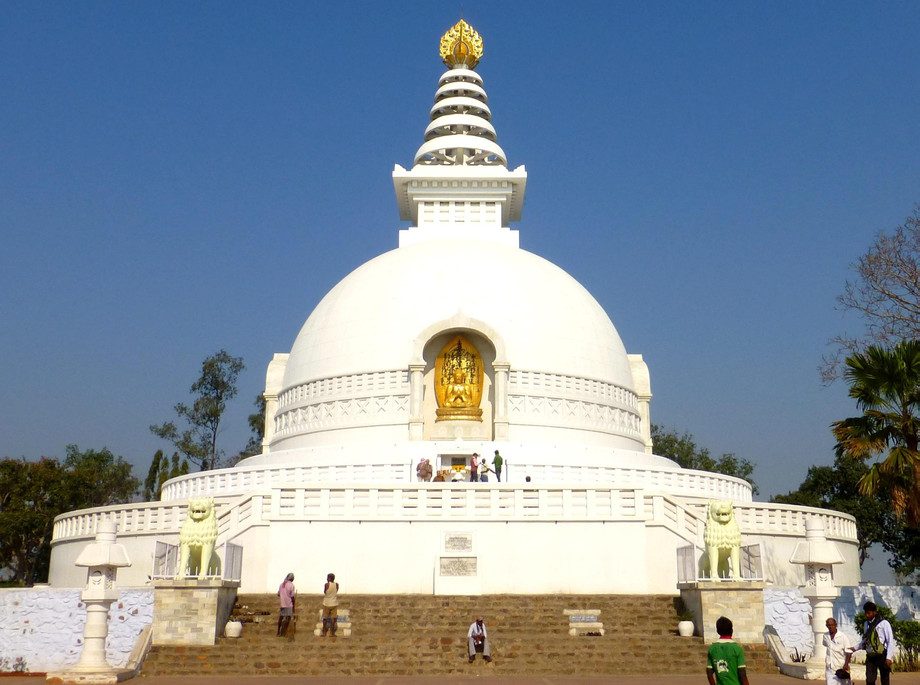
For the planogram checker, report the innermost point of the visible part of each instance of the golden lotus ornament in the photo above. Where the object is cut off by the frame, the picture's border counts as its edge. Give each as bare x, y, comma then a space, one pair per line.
461, 46
458, 380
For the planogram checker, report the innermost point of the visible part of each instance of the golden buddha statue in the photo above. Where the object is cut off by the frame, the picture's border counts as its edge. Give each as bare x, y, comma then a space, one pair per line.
458, 392
458, 381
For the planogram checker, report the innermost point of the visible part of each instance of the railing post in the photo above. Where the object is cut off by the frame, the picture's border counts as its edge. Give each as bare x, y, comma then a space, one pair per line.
373, 501
639, 503
423, 503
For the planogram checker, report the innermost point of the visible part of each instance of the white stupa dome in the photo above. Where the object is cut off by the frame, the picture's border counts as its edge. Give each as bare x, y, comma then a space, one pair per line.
540, 317
362, 372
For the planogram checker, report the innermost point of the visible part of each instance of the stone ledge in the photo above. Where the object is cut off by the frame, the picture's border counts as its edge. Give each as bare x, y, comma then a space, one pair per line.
723, 585
207, 583
582, 630
86, 677
339, 632
581, 612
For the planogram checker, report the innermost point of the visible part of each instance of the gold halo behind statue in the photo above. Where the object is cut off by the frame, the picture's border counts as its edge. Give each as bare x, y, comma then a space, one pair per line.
458, 380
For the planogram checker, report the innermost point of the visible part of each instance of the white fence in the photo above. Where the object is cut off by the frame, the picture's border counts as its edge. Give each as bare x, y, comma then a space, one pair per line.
689, 557
166, 561
784, 518
455, 502
243, 480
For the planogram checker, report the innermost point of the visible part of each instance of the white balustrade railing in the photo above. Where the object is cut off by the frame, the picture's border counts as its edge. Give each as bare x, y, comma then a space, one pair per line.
447, 501
243, 480
142, 518
240, 480
787, 519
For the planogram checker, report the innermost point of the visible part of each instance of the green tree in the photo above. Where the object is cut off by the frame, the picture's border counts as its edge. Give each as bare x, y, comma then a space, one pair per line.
885, 294
213, 389
257, 433
683, 449
256, 429
903, 544
162, 468
96, 478
32, 493
837, 487
886, 386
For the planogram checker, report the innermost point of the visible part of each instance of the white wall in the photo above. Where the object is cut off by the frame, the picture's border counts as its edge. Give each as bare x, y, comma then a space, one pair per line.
401, 557
790, 613
44, 626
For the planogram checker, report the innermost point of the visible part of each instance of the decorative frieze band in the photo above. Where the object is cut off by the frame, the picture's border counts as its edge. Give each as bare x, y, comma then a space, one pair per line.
382, 398
552, 411
473, 184
539, 384
360, 411
340, 387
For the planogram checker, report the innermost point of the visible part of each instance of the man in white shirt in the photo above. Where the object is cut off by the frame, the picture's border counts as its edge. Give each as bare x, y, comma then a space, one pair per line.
477, 636
878, 641
838, 655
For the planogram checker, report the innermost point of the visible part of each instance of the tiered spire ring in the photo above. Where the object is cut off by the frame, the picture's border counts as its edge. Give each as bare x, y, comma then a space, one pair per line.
460, 132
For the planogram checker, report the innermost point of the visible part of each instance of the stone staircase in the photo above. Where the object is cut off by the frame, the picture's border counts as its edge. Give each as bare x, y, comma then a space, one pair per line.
426, 635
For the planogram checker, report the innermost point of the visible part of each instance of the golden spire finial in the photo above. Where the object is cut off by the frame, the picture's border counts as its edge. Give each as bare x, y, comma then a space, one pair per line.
461, 46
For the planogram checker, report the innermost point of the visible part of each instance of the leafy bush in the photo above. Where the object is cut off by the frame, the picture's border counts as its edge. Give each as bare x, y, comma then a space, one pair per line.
907, 633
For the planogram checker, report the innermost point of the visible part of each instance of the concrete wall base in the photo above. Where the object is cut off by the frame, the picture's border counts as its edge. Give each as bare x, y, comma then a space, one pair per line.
740, 601
190, 611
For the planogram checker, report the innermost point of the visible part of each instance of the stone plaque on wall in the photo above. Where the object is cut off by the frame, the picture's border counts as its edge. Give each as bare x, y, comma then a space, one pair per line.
458, 566
458, 542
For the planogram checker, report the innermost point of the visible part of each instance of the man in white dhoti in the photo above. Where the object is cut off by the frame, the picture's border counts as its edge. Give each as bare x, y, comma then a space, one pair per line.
478, 639
838, 656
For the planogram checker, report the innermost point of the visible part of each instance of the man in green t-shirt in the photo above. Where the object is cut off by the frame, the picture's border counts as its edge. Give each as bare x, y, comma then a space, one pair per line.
497, 463
725, 661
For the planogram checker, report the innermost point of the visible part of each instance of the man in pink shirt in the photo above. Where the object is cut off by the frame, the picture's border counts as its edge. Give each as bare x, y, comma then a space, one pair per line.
286, 594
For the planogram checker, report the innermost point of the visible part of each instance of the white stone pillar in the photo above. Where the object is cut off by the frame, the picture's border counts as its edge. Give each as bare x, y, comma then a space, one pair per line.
416, 401
643, 387
274, 380
271, 407
501, 372
92, 658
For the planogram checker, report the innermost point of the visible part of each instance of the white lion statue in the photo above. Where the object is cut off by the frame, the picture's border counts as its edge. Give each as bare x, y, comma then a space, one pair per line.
197, 539
722, 557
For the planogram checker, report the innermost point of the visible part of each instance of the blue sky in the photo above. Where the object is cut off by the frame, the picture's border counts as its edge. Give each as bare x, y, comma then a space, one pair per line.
176, 178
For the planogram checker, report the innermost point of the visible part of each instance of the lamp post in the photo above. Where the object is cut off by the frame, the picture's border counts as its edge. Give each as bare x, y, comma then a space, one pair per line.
102, 559
818, 555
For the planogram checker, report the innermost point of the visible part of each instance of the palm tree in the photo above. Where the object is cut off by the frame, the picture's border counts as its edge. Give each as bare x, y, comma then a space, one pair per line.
886, 386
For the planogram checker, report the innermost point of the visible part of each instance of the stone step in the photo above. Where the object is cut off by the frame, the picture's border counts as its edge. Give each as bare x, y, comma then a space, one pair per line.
428, 612
426, 635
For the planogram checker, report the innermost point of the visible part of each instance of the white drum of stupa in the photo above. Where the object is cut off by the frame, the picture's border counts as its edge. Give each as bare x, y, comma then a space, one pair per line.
456, 346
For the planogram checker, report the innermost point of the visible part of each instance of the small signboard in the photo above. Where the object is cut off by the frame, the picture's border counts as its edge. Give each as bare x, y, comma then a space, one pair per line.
458, 566
458, 542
